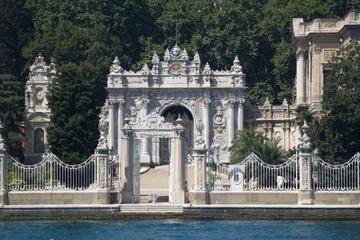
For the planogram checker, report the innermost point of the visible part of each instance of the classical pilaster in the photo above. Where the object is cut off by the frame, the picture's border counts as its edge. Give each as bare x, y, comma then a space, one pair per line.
145, 155
231, 131
240, 117
120, 123
206, 105
316, 80
300, 77
111, 124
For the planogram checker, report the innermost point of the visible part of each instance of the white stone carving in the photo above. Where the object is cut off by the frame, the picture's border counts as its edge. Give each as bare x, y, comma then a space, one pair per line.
219, 122
153, 121
115, 67
103, 126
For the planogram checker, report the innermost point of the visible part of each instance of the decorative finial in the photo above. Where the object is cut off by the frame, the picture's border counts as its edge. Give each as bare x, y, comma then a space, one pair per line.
115, 67
167, 55
184, 55
196, 58
39, 60
155, 59
285, 102
236, 67
305, 143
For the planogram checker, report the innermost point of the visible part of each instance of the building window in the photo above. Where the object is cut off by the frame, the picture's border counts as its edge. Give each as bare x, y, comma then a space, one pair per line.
39, 144
326, 73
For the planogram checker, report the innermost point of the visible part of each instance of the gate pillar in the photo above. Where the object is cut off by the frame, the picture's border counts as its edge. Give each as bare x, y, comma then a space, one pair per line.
177, 168
306, 194
126, 170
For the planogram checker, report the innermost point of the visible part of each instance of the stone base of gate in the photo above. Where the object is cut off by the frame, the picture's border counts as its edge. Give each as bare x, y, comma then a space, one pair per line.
103, 197
337, 198
48, 198
306, 197
248, 198
3, 197
199, 198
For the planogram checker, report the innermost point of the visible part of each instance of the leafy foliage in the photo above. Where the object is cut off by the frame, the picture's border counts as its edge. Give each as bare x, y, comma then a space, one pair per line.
248, 141
12, 109
85, 33
337, 134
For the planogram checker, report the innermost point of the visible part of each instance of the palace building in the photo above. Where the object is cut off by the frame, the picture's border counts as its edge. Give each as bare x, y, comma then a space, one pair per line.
209, 102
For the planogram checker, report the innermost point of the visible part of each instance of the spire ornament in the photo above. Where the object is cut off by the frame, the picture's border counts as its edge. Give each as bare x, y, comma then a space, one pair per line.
115, 67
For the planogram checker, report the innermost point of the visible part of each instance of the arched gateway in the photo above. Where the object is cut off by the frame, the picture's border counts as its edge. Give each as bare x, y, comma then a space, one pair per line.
177, 85
151, 126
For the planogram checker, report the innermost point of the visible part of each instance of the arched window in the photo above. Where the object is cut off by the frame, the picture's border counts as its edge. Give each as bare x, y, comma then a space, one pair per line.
39, 144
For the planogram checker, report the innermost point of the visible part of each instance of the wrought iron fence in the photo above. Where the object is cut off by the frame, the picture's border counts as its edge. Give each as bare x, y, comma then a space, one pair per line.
253, 175
51, 174
336, 177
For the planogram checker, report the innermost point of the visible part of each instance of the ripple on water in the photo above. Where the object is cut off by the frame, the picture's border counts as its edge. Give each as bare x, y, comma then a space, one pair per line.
179, 229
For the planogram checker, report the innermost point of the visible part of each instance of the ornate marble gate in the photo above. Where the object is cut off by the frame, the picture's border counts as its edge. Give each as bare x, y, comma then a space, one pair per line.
213, 97
151, 126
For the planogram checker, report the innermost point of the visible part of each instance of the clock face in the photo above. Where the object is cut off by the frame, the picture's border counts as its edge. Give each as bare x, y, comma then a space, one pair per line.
176, 68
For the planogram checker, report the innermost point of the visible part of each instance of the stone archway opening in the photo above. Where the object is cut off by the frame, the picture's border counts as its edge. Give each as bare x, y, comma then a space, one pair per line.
171, 114
151, 126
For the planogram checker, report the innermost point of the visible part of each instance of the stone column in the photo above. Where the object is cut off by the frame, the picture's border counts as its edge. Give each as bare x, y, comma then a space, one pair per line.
231, 131
102, 188
111, 124
179, 167
300, 79
316, 78
206, 104
306, 193
135, 170
172, 170
155, 145
120, 123
199, 195
240, 117
126, 170
145, 156
3, 171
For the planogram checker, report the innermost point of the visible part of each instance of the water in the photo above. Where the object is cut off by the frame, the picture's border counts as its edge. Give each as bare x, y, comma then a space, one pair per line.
179, 229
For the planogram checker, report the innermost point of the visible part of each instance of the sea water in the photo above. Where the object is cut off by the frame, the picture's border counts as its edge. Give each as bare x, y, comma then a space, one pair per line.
178, 229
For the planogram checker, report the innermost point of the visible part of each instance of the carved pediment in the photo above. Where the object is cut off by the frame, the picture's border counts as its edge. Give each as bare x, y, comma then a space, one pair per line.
38, 117
153, 121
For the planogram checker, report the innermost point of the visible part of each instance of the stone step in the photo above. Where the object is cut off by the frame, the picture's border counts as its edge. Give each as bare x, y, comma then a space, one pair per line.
152, 208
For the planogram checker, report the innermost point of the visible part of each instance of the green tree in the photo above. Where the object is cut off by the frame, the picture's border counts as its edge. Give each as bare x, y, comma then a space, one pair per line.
304, 113
83, 37
12, 113
248, 141
337, 134
16, 30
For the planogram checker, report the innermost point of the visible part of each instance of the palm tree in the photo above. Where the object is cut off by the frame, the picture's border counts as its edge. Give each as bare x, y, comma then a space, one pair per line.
304, 113
248, 141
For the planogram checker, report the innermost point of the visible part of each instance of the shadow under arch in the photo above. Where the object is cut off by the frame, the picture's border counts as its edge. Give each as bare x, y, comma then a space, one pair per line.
171, 113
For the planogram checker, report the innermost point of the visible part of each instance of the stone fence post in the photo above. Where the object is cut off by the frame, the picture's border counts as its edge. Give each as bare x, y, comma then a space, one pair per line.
102, 176
200, 194
306, 193
3, 170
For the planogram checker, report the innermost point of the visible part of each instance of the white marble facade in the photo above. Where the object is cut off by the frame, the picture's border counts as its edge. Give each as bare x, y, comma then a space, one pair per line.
36, 108
214, 98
